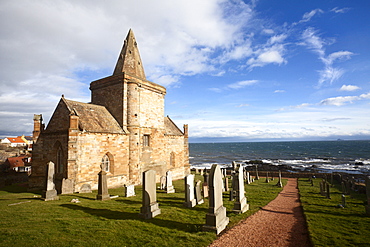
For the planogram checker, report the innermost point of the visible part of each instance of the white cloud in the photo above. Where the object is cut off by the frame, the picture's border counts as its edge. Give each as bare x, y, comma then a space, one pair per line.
279, 91
344, 100
308, 15
349, 88
340, 10
330, 73
241, 84
273, 54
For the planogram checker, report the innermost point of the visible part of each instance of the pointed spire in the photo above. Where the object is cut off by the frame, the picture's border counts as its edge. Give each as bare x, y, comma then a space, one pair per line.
129, 60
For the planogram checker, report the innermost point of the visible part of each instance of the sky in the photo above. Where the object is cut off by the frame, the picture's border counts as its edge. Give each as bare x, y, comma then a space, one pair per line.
262, 70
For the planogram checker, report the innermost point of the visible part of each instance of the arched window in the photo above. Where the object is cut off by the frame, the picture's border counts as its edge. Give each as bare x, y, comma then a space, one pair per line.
105, 163
172, 159
59, 160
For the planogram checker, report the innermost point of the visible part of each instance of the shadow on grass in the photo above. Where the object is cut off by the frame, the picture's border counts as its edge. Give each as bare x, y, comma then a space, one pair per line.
18, 189
119, 215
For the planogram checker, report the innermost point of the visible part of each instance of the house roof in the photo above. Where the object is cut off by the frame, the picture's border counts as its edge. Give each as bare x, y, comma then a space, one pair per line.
16, 161
94, 118
171, 128
15, 139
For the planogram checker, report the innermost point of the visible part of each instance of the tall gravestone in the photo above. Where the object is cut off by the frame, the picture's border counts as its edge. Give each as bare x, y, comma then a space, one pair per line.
150, 207
267, 177
257, 177
240, 204
367, 182
279, 183
216, 220
102, 185
169, 185
162, 183
50, 193
248, 177
198, 192
189, 191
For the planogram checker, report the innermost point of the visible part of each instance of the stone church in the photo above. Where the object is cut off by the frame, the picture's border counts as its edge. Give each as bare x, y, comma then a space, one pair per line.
123, 128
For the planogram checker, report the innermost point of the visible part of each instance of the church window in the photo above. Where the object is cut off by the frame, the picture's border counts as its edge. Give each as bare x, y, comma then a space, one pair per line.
105, 163
146, 140
60, 168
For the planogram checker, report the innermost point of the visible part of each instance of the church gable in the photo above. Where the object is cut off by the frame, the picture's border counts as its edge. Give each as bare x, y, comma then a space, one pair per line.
60, 118
171, 128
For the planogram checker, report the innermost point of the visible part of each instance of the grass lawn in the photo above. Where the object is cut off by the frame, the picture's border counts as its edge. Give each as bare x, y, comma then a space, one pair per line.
115, 222
330, 225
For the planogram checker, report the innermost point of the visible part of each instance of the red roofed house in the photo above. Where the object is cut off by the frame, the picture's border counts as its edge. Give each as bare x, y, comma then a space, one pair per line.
14, 141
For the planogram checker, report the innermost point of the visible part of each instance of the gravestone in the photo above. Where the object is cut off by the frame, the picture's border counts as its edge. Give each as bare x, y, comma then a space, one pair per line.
162, 183
50, 193
279, 183
67, 186
257, 177
85, 188
150, 207
189, 191
201, 172
328, 191
205, 177
205, 190
129, 190
234, 165
367, 182
248, 177
102, 184
343, 200
216, 220
267, 177
240, 204
226, 183
196, 171
169, 186
198, 192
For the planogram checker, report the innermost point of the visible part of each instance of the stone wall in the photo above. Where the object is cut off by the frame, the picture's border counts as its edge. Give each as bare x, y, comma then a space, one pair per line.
91, 149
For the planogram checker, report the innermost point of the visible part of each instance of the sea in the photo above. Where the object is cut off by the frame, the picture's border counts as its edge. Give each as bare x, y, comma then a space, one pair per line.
352, 157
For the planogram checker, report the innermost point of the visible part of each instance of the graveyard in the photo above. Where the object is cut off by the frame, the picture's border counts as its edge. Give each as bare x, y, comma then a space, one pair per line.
82, 220
178, 217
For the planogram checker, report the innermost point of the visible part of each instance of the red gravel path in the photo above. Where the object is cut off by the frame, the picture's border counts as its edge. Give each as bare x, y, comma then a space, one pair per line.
279, 223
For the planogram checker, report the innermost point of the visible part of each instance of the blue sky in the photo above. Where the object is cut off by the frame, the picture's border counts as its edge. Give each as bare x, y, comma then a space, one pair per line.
234, 70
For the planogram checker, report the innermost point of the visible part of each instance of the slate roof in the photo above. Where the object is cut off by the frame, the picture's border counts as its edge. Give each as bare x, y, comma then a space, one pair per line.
94, 118
171, 128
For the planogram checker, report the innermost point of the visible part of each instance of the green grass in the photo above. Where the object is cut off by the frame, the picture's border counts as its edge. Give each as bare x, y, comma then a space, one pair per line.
115, 222
330, 225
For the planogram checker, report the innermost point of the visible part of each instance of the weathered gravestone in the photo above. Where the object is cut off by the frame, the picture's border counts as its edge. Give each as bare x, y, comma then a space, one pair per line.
234, 165
257, 177
267, 177
279, 183
328, 191
248, 177
129, 190
198, 192
226, 183
216, 220
67, 186
85, 188
102, 184
50, 193
189, 191
344, 201
240, 204
169, 185
162, 183
367, 182
205, 190
150, 207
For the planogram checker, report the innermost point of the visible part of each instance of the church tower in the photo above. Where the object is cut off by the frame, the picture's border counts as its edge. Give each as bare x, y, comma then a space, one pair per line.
136, 103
